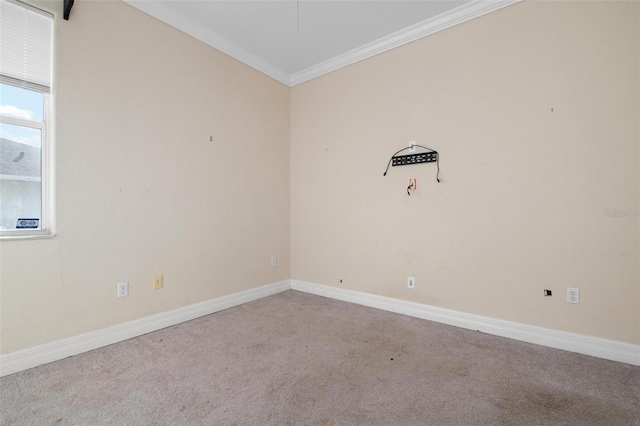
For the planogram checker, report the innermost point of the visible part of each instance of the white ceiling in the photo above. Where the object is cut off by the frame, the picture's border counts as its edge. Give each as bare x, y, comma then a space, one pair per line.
296, 40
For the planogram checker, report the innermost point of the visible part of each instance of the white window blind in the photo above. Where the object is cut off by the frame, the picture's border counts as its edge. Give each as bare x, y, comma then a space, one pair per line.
25, 46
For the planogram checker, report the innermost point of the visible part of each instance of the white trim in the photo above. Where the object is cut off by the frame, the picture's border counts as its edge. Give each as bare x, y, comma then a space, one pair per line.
207, 36
31, 8
460, 14
60, 349
26, 122
582, 344
45, 174
20, 178
463, 13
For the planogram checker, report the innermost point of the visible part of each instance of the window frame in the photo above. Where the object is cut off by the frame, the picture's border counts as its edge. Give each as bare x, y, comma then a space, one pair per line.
45, 230
20, 72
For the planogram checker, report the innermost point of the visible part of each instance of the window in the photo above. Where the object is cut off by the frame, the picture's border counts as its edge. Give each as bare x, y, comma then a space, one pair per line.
25, 87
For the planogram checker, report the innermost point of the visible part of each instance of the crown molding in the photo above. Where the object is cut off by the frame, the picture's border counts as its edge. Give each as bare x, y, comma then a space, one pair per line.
169, 16
463, 13
466, 12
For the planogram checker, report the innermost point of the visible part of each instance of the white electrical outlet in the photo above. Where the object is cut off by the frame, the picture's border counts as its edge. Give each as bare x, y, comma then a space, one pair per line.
123, 289
411, 282
573, 295
274, 261
412, 146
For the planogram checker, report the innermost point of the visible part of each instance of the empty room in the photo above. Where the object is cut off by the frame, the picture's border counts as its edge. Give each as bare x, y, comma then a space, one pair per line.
305, 212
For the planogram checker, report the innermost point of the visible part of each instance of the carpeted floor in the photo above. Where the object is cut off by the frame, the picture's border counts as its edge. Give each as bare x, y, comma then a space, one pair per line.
298, 359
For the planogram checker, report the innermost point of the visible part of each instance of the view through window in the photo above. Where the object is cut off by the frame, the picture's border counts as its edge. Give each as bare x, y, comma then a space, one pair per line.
25, 87
21, 132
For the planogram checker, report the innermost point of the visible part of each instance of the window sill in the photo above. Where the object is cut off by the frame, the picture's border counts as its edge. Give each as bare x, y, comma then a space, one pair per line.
47, 236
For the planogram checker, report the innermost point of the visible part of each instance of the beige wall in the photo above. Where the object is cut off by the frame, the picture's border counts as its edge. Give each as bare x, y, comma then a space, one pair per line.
521, 206
534, 110
140, 188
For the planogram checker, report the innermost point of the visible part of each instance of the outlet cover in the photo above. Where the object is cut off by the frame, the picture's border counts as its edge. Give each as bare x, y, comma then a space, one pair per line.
157, 282
411, 282
123, 289
573, 295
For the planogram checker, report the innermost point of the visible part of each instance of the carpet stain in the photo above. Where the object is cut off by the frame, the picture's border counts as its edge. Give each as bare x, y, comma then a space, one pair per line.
524, 403
449, 369
59, 420
323, 422
482, 345
309, 389
461, 370
258, 346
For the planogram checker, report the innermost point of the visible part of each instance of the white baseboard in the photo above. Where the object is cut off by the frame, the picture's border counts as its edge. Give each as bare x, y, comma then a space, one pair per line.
60, 349
587, 345
54, 351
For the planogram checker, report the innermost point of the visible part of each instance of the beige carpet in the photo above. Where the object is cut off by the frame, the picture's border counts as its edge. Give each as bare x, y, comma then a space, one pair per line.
294, 359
